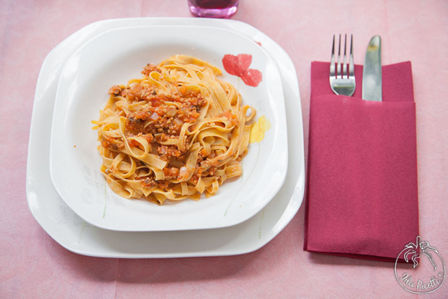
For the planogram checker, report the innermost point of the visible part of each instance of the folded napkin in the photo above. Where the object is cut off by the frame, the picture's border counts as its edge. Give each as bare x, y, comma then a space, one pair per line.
362, 167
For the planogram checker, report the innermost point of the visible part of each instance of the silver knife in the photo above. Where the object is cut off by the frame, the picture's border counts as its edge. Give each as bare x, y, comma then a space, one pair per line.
371, 75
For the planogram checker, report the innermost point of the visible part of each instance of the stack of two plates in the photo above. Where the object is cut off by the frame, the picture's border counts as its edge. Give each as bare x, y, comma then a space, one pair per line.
69, 197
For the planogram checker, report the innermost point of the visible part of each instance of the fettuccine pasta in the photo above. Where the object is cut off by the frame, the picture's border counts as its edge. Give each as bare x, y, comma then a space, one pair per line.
176, 133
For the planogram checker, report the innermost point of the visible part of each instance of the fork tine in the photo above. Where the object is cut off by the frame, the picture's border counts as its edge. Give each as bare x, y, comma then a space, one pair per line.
344, 64
332, 65
351, 67
332, 46
338, 64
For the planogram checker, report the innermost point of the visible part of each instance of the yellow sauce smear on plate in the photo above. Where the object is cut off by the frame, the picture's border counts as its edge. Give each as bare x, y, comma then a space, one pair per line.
259, 129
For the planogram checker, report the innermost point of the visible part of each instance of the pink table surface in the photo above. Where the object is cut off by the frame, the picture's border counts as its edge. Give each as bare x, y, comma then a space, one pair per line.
32, 265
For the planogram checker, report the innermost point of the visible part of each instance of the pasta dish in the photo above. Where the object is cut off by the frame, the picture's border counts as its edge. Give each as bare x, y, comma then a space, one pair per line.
176, 133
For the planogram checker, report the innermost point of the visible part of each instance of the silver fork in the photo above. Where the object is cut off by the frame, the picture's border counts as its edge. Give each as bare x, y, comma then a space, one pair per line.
341, 81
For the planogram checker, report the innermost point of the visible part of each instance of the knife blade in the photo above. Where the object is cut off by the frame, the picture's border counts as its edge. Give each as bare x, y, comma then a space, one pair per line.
371, 75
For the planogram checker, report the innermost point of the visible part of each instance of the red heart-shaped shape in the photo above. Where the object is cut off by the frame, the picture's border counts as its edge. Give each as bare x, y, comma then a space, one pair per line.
236, 65
252, 77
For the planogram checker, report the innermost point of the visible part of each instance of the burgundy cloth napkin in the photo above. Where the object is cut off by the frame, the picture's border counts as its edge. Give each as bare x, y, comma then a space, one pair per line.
362, 167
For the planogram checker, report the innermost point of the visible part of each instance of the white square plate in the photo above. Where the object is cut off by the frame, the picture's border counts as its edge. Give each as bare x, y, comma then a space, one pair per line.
118, 55
74, 234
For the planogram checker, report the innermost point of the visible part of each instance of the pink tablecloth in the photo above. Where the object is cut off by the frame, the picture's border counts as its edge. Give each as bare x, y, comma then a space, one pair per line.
32, 265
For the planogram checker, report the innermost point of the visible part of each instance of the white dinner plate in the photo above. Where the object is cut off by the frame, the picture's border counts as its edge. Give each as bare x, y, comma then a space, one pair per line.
76, 235
118, 55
